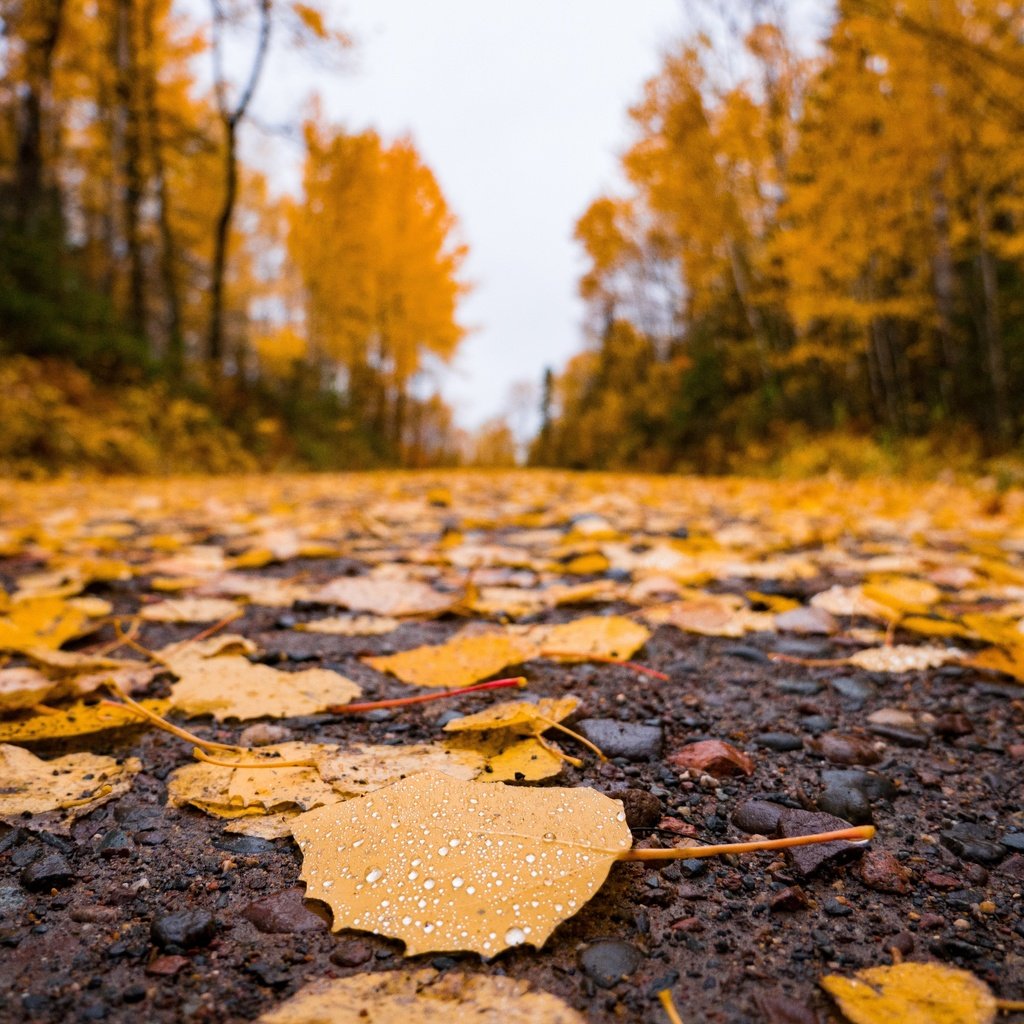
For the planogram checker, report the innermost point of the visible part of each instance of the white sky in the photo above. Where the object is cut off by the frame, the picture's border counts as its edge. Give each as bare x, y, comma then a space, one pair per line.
520, 111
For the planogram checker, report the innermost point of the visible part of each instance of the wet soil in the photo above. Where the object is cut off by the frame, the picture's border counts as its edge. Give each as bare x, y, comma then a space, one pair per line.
737, 940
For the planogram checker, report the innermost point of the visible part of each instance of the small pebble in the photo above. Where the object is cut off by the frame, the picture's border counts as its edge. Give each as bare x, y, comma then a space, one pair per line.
609, 961
283, 913
840, 748
854, 692
185, 929
51, 871
353, 953
779, 741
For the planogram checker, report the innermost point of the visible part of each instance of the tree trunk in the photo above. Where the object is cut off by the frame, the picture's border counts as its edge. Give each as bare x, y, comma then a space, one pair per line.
174, 352
215, 338
992, 329
231, 117
32, 208
128, 127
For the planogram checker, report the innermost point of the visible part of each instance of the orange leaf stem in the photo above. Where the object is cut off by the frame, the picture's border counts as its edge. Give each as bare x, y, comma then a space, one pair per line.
126, 702
791, 659
551, 724
860, 834
668, 1004
401, 702
307, 762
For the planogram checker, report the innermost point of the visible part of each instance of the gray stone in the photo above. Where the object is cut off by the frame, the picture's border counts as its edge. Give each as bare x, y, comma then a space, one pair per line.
184, 929
758, 817
854, 692
779, 741
12, 899
973, 843
847, 802
49, 872
623, 739
609, 961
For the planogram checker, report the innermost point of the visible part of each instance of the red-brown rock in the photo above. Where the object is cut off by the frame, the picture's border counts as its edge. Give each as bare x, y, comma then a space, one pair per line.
713, 757
880, 870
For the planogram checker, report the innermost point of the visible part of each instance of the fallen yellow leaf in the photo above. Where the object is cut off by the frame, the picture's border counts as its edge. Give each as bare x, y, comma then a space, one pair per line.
447, 865
912, 993
421, 997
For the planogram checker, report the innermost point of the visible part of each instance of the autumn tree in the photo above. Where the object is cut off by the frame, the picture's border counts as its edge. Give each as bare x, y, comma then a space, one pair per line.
375, 243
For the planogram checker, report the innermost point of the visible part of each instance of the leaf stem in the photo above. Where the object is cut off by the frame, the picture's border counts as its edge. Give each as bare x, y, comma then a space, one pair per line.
400, 702
1010, 1005
550, 724
604, 659
669, 1006
561, 754
200, 755
860, 833
125, 701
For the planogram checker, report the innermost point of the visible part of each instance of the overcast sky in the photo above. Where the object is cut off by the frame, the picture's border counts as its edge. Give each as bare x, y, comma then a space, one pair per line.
520, 110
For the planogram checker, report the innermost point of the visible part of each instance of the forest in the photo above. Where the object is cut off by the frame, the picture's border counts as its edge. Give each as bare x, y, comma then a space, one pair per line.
818, 256
161, 305
817, 261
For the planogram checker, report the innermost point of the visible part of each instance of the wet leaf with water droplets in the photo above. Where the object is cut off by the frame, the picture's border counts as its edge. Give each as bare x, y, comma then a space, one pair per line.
470, 867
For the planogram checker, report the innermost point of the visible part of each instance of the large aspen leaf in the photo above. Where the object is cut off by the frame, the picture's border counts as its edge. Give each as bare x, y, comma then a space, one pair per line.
903, 658
912, 993
421, 997
329, 776
445, 865
191, 609
233, 687
55, 792
461, 661
468, 658
509, 756
392, 597
595, 636
42, 622
351, 625
77, 720
522, 716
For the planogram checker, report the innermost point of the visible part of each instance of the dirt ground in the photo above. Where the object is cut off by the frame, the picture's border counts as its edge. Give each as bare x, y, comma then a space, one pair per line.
737, 940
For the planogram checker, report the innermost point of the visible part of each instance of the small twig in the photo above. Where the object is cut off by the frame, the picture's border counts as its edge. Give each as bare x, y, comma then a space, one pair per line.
215, 628
400, 702
859, 834
1010, 1005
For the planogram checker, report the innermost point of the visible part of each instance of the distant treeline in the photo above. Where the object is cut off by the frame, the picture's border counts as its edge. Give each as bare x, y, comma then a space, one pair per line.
825, 244
139, 250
